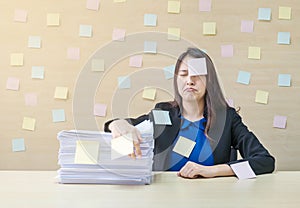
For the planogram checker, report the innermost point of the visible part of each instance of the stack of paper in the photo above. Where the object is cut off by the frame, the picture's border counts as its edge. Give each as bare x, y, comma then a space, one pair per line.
94, 157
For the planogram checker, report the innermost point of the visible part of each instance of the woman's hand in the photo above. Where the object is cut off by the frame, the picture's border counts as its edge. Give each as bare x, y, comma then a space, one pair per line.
122, 127
194, 170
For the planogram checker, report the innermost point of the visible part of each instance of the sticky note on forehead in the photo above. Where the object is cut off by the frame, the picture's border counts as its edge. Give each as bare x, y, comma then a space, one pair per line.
197, 66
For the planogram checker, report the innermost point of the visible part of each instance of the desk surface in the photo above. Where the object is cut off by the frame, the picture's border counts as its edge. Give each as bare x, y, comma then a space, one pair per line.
39, 189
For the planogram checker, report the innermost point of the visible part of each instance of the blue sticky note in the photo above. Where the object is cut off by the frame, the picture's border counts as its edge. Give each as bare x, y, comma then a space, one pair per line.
18, 145
58, 115
150, 20
244, 77
284, 38
124, 82
264, 14
169, 71
284, 80
161, 117
37, 72
150, 47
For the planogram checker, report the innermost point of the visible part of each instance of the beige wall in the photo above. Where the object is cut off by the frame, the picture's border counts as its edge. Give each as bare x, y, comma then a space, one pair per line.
42, 145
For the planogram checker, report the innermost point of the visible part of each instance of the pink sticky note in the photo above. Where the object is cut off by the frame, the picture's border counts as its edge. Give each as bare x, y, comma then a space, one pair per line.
247, 26
136, 61
100, 109
243, 170
204, 5
31, 99
73, 53
118, 34
279, 122
13, 83
230, 102
20, 15
92, 4
197, 66
227, 50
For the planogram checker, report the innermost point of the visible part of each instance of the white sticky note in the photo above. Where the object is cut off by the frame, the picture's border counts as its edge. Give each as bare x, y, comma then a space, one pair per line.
37, 72
73, 53
136, 61
161, 117
34, 42
243, 170
150, 47
98, 65
30, 99
100, 109
121, 146
93, 4
184, 146
58, 115
197, 66
87, 152
118, 34
150, 20
13, 83
18, 145
85, 31
20, 15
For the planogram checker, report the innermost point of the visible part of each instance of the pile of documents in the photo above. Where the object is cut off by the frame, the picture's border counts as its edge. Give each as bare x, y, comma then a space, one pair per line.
94, 157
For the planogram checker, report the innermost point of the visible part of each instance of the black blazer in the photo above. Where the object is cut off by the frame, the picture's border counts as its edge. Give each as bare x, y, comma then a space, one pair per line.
228, 132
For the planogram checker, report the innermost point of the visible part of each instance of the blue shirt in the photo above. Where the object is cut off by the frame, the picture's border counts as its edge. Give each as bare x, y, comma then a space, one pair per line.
201, 153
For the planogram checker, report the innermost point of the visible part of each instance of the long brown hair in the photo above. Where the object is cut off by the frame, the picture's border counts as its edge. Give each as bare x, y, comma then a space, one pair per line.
214, 98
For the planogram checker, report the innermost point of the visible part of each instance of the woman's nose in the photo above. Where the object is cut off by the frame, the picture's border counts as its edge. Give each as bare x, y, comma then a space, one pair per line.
190, 80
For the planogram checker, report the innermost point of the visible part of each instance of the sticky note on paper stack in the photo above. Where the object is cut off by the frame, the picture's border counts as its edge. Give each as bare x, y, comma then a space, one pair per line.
96, 157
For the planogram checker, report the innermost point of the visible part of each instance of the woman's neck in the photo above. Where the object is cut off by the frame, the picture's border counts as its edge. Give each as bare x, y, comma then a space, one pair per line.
193, 110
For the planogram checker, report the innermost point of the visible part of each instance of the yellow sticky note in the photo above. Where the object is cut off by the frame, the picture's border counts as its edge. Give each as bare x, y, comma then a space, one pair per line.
53, 19
149, 93
28, 123
184, 146
16, 59
61, 93
262, 97
285, 13
254, 52
209, 28
173, 33
97, 65
87, 152
119, 1
174, 7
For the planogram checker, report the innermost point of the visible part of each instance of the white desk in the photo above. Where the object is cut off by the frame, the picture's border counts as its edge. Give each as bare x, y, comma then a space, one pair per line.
39, 189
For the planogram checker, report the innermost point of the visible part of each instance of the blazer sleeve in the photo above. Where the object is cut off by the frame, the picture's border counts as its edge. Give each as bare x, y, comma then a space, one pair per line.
250, 148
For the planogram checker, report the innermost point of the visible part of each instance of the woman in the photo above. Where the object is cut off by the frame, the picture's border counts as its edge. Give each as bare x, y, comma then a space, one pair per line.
204, 128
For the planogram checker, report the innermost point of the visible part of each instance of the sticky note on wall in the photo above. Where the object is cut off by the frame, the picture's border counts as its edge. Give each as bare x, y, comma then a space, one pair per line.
244, 77
20, 15
284, 80
150, 20
12, 83
254, 53
264, 14
58, 115
149, 93
98, 65
279, 122
93, 4
28, 123
209, 28
285, 13
284, 38
247, 26
173, 33
262, 97
61, 93
16, 59
53, 19
100, 109
37, 72
18, 145
174, 7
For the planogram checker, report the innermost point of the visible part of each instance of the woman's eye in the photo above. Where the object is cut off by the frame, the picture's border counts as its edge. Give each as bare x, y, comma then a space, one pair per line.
182, 73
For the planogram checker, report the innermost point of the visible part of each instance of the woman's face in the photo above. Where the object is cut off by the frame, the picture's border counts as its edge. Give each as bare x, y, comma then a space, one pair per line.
190, 88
